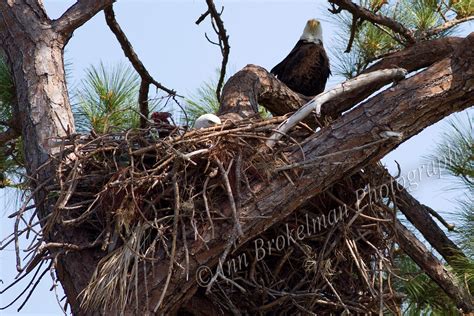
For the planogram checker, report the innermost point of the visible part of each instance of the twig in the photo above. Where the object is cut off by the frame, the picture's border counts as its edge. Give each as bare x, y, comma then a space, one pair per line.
24, 290
235, 211
353, 32
440, 218
445, 26
202, 17
177, 206
206, 205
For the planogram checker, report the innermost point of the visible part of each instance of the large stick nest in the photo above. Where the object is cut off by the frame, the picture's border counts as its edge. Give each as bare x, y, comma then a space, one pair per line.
139, 195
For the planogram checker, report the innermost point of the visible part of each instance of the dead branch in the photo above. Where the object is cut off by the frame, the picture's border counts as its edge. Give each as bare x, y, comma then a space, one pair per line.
353, 33
223, 42
365, 14
360, 82
130, 53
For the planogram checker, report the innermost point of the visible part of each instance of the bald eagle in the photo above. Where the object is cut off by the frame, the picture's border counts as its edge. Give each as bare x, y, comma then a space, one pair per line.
207, 120
306, 69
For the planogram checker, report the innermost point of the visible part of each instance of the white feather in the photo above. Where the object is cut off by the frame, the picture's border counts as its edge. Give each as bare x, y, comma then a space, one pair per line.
313, 32
206, 120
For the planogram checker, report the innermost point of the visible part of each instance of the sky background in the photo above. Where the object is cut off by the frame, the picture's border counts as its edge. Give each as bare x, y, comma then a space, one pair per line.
176, 53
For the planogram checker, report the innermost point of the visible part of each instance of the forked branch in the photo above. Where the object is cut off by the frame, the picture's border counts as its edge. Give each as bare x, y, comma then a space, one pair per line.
365, 14
78, 14
223, 43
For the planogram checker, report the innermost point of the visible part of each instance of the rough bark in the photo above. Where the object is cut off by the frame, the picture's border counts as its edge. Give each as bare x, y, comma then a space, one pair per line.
420, 55
408, 108
33, 45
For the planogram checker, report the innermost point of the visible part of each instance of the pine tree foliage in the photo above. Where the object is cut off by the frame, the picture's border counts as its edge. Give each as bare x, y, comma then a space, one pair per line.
422, 295
11, 158
107, 99
372, 42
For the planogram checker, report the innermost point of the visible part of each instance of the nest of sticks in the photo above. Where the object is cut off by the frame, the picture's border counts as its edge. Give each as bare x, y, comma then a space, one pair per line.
137, 194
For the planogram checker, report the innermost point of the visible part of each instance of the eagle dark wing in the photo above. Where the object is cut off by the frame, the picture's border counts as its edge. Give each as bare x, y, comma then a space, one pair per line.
280, 69
305, 70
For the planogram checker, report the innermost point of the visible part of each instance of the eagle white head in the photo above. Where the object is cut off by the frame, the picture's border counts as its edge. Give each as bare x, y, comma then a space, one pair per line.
313, 32
206, 120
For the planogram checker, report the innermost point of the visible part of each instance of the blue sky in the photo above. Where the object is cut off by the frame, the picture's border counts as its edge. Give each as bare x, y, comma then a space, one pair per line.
177, 54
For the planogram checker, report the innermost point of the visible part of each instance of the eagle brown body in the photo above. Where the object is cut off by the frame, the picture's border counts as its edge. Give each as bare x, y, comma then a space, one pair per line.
306, 69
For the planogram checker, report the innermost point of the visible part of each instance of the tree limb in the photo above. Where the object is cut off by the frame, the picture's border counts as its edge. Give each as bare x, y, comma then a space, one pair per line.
413, 58
365, 14
78, 14
130, 53
418, 214
432, 267
446, 26
253, 84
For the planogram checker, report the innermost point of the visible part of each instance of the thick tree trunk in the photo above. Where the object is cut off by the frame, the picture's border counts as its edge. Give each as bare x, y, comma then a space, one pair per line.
34, 46
35, 53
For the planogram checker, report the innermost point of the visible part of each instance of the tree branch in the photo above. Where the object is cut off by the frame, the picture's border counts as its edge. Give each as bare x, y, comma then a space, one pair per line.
223, 41
78, 14
418, 214
130, 53
446, 26
365, 14
413, 58
360, 82
432, 267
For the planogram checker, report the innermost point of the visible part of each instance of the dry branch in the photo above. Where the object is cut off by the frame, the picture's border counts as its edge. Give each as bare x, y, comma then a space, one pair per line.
446, 26
223, 42
340, 91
